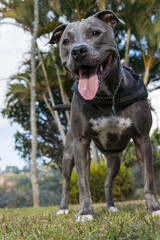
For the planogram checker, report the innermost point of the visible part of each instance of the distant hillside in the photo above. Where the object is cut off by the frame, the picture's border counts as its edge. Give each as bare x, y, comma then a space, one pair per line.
16, 191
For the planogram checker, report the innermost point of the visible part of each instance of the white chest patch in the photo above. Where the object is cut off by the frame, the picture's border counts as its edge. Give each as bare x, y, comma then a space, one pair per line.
105, 125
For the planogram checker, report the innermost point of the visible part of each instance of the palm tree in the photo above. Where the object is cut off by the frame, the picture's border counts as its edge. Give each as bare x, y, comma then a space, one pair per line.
142, 22
34, 177
148, 36
18, 110
24, 19
22, 12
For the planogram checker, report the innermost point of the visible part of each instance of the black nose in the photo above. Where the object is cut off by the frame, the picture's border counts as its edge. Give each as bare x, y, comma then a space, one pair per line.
78, 52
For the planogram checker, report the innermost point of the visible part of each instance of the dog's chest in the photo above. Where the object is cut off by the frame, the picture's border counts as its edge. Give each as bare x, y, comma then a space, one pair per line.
109, 128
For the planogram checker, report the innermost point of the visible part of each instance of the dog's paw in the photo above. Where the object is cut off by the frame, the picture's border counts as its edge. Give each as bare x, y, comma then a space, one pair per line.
62, 212
112, 209
155, 213
84, 218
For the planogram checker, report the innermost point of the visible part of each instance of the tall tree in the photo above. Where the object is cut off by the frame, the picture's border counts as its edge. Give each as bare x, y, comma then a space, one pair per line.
34, 177
50, 145
24, 18
148, 36
143, 23
49, 18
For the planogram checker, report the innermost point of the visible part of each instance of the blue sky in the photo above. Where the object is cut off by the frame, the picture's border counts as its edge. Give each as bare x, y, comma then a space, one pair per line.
14, 42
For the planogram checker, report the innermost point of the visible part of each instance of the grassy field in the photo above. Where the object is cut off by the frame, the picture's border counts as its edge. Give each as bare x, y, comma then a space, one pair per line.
131, 222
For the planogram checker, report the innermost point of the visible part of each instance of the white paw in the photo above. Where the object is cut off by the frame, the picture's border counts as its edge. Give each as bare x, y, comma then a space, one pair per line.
84, 218
63, 212
155, 213
112, 209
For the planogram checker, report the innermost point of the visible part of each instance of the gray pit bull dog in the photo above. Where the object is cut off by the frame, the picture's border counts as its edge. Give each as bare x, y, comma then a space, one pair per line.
101, 110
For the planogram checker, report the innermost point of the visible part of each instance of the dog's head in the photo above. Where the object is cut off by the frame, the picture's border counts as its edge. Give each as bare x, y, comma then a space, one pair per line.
88, 50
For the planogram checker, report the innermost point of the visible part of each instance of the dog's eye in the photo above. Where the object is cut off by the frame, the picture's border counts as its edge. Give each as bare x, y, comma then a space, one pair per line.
96, 33
66, 41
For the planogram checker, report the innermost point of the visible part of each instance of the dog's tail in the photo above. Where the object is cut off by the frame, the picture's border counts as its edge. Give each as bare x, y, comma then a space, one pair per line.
62, 107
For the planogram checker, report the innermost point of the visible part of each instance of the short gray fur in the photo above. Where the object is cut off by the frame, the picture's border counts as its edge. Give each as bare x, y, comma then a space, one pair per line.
83, 113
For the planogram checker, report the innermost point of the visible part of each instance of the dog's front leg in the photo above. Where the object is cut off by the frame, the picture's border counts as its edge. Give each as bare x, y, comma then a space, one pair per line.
145, 158
82, 162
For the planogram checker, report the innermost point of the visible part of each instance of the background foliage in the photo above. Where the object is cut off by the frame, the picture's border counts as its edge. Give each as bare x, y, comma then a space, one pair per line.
16, 189
122, 186
138, 43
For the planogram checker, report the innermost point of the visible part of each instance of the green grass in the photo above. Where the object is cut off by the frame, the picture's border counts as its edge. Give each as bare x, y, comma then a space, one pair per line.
131, 222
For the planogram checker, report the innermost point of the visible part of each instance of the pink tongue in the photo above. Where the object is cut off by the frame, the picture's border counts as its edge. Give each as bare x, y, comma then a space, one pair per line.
88, 85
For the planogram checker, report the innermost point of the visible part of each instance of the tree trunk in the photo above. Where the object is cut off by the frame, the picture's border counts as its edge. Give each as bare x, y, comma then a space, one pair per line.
127, 46
146, 75
62, 91
55, 113
34, 178
102, 4
94, 153
57, 120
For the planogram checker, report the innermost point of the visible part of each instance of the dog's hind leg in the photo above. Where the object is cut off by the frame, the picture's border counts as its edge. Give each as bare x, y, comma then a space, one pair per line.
144, 156
67, 167
113, 163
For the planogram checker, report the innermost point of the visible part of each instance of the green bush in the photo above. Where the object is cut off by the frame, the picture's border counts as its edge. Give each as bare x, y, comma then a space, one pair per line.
122, 186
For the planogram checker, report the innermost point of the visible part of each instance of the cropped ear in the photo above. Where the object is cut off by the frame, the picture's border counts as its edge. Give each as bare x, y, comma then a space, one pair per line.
109, 17
57, 33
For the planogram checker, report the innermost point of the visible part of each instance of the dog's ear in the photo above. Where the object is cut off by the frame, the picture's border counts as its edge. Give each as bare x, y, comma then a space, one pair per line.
57, 33
109, 17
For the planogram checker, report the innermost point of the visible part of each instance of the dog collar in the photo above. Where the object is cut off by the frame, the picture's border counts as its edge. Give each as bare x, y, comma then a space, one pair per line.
120, 78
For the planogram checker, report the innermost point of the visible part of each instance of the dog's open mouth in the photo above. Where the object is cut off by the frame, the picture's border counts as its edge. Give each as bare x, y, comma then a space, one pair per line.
90, 78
